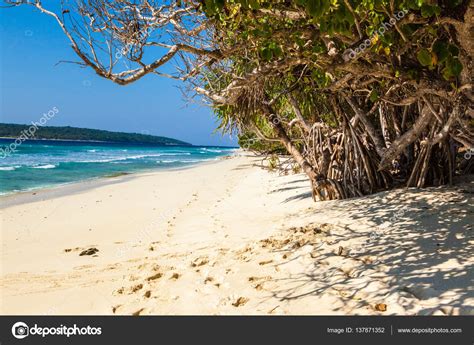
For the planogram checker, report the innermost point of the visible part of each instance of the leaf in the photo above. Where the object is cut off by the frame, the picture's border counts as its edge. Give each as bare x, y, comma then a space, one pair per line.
424, 57
316, 8
453, 50
313, 7
430, 10
374, 96
454, 65
266, 54
453, 68
441, 50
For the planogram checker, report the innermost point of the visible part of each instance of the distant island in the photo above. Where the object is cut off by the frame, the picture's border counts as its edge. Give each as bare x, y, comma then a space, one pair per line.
9, 130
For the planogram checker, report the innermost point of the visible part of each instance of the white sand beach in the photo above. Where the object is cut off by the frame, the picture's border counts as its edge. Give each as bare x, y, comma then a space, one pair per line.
232, 238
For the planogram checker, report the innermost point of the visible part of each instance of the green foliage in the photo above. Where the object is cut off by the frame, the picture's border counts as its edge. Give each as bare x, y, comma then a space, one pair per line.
425, 58
250, 142
274, 31
253, 21
428, 10
443, 55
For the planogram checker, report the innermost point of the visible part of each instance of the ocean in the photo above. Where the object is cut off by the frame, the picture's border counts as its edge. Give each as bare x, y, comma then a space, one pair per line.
46, 163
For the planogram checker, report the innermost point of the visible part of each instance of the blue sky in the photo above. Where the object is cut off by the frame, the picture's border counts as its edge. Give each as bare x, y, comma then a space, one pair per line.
32, 83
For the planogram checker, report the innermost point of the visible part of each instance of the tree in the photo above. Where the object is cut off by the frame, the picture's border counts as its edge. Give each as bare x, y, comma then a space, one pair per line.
364, 95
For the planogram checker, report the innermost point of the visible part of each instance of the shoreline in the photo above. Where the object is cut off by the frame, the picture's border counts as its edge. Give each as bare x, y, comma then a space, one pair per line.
231, 238
42, 193
122, 143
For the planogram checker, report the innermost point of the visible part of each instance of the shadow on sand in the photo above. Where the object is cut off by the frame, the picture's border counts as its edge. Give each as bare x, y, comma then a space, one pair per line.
413, 246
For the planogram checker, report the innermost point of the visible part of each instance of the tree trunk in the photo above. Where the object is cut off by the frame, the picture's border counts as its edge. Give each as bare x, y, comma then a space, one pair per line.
290, 147
407, 138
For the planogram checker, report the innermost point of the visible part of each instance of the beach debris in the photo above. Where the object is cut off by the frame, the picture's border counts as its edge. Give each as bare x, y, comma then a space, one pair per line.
381, 307
155, 276
368, 260
255, 279
200, 261
276, 310
240, 301
136, 288
130, 290
67, 250
208, 280
299, 244
137, 313
147, 294
341, 251
175, 276
262, 263
90, 251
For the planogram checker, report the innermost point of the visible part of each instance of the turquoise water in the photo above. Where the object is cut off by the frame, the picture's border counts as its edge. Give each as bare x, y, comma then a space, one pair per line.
41, 163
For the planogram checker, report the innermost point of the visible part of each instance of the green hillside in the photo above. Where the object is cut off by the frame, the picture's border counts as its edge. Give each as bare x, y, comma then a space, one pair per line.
74, 133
